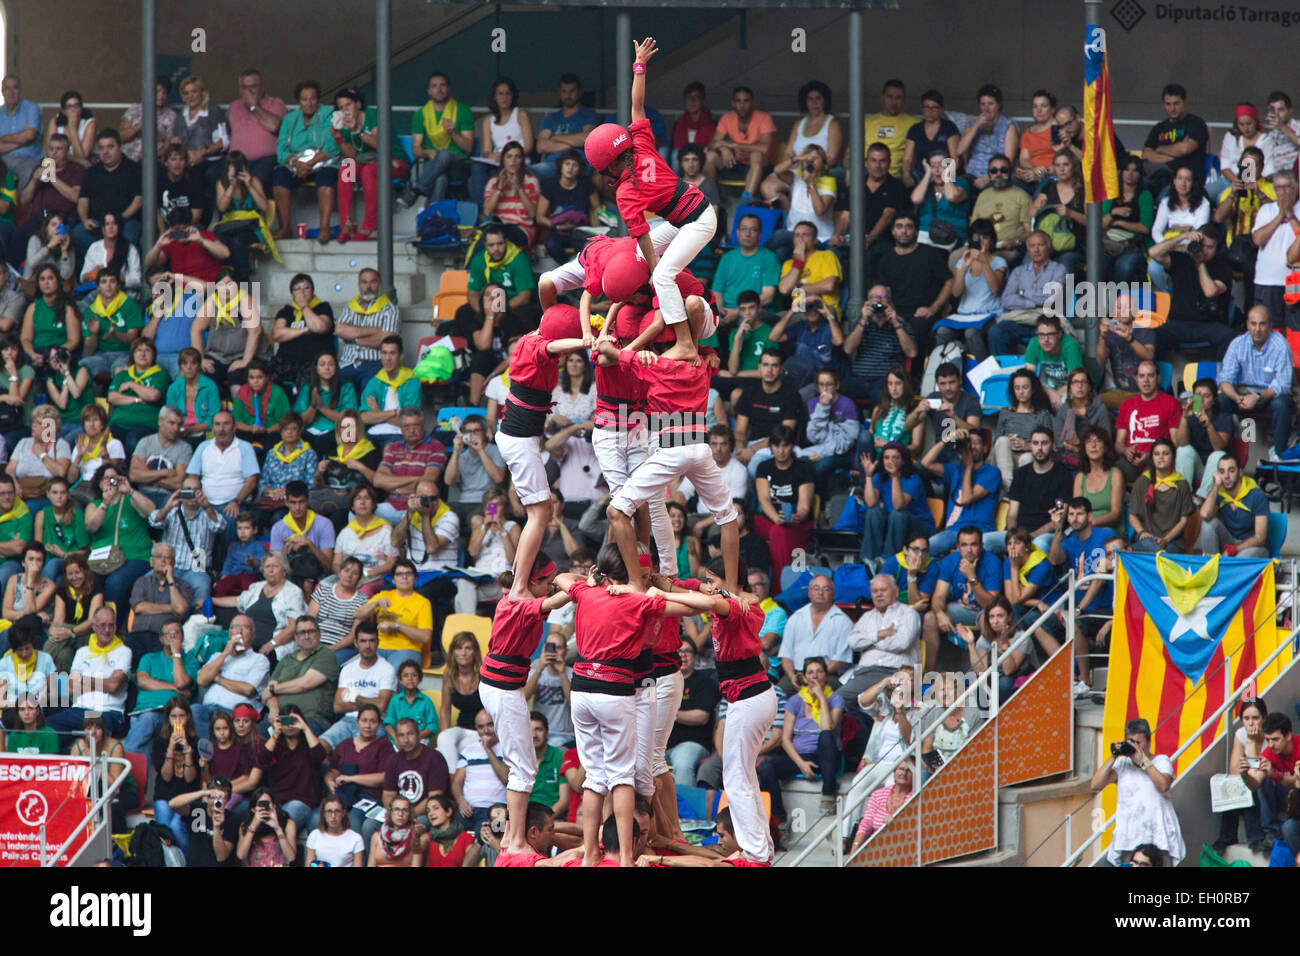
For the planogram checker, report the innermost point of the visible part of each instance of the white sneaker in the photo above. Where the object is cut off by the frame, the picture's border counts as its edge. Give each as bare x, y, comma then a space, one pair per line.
1081, 689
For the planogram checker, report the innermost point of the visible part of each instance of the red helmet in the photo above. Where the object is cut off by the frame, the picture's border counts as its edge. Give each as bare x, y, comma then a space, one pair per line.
606, 143
667, 335
561, 322
624, 274
628, 324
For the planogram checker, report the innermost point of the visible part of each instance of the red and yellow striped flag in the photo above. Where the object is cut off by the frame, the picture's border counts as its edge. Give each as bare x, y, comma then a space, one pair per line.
1100, 171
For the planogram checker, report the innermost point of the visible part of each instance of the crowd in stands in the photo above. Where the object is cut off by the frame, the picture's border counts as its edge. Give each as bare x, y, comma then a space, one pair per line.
172, 452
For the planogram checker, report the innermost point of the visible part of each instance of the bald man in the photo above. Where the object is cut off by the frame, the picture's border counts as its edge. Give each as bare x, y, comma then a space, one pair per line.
818, 629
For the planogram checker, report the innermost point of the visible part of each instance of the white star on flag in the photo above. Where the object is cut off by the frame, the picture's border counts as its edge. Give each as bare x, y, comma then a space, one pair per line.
1195, 622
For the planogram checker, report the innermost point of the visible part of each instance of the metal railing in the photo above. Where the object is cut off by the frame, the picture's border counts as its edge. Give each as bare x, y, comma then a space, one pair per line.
98, 813
845, 807
1232, 697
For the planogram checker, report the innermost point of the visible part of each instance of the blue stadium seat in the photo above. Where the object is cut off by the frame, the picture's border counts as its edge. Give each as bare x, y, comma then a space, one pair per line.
1166, 375
770, 218
1276, 534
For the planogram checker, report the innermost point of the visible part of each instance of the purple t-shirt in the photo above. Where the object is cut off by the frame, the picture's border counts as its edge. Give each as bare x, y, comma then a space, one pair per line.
807, 730
373, 759
416, 779
321, 534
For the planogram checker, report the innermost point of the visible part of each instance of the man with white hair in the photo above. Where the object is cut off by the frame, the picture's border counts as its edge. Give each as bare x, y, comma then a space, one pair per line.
159, 461
157, 598
818, 629
233, 677
888, 637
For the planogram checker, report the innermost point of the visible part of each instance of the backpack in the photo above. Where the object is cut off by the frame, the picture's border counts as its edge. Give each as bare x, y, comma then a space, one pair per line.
436, 228
852, 582
1058, 230
154, 845
948, 352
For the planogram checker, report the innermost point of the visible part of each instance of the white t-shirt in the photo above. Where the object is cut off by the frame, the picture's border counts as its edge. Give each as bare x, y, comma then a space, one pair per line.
84, 664
492, 557
368, 681
446, 527
372, 550
335, 850
1167, 218
482, 786
1284, 152
1270, 265
736, 477
801, 207
1142, 813
1230, 153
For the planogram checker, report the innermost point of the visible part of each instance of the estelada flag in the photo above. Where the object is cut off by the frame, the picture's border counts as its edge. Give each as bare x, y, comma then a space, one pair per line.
1100, 172
1187, 632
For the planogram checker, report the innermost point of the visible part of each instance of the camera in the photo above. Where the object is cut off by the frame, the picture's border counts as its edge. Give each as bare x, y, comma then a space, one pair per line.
218, 803
1122, 749
426, 501
112, 482
973, 243
879, 308
962, 445
188, 492
60, 356
1194, 247
286, 720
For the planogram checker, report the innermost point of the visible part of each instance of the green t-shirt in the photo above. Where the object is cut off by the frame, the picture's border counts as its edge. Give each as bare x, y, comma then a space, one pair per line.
138, 414
737, 272
317, 703
69, 538
18, 529
128, 316
72, 414
421, 710
48, 329
9, 193
1054, 370
754, 344
408, 393
158, 665
322, 425
464, 124
277, 404
546, 787
514, 278
43, 741
132, 533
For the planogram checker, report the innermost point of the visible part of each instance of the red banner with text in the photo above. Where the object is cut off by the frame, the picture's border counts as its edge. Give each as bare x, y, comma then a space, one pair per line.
36, 792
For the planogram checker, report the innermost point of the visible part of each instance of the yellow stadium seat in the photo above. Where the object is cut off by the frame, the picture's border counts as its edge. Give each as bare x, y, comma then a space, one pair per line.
936, 509
1000, 519
480, 627
436, 697
767, 801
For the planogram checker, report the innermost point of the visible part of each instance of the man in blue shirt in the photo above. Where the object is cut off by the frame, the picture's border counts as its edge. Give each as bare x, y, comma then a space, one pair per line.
973, 486
565, 128
817, 339
1084, 552
970, 580
20, 131
1234, 519
1256, 375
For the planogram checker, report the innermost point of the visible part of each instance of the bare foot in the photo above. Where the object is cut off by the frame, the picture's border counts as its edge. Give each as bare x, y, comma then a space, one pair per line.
514, 597
683, 353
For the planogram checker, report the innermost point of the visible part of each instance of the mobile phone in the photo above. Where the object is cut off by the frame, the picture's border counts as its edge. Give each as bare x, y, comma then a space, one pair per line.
552, 648
492, 508
935, 403
286, 720
1198, 403
1252, 763
188, 492
60, 230
178, 727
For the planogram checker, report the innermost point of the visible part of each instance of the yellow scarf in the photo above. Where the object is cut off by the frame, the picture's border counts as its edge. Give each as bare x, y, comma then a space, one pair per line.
438, 512
359, 450
901, 557
107, 311
293, 525
170, 310
77, 611
141, 376
1169, 481
19, 510
375, 524
23, 670
237, 215
97, 651
489, 263
90, 454
226, 313
439, 137
379, 303
404, 375
1244, 487
297, 312
1033, 560
278, 450
812, 706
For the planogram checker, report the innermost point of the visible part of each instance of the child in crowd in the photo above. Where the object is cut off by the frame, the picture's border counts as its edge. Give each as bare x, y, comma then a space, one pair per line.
241, 569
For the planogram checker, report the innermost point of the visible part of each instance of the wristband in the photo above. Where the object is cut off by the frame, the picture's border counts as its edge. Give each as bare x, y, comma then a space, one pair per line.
798, 263
638, 68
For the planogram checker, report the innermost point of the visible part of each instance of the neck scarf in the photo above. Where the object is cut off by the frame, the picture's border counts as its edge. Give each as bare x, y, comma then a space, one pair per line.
447, 833
438, 512
403, 376
107, 311
250, 400
902, 562
23, 670
169, 309
297, 322
1032, 560
812, 706
396, 843
439, 137
359, 308
97, 651
19, 510
226, 312
489, 264
78, 612
1170, 481
359, 450
141, 376
293, 525
361, 531
1244, 487
90, 454
278, 450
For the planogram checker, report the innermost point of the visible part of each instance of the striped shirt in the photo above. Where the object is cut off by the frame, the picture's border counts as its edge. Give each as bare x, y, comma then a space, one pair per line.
202, 530
335, 615
385, 318
878, 352
482, 786
403, 461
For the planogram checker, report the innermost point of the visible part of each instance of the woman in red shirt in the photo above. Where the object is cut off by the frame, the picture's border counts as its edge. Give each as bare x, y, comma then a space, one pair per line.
512, 194
447, 843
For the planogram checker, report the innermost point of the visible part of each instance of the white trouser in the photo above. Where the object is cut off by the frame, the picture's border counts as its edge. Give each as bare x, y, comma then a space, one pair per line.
451, 740
747, 724
523, 456
668, 697
666, 465
569, 276
619, 455
686, 245
645, 738
604, 728
514, 727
